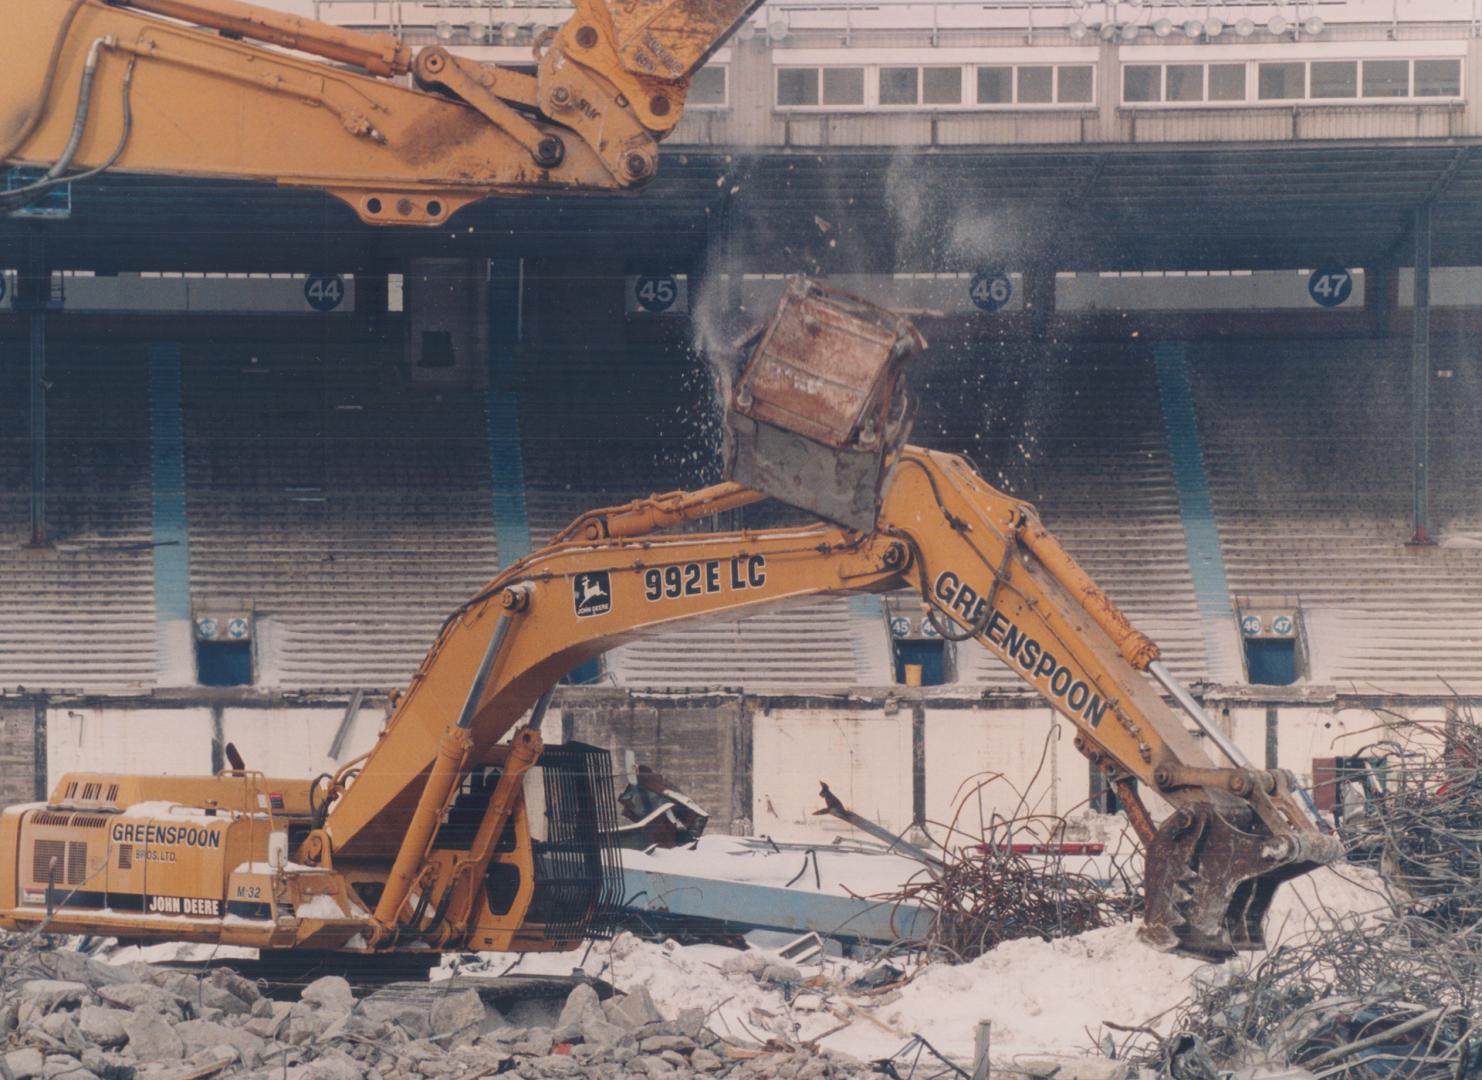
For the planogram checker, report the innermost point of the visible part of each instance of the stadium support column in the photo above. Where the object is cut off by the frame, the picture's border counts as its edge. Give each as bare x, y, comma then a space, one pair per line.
167, 499
33, 296
1420, 377
506, 458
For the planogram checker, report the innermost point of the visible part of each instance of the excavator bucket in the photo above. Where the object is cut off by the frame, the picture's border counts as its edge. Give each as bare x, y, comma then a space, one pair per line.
820, 404
1210, 873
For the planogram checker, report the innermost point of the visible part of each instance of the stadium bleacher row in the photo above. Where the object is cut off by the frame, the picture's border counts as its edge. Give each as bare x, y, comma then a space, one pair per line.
351, 508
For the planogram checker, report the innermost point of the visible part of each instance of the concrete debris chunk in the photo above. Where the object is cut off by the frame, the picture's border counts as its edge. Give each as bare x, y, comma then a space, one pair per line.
25, 1063
141, 997
457, 1016
102, 1026
152, 1039
332, 992
633, 1010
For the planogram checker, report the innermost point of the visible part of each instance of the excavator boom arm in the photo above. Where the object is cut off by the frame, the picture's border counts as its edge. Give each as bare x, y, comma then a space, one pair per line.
203, 88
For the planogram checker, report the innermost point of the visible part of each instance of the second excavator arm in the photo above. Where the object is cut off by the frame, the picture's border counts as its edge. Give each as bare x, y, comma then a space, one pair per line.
983, 564
204, 88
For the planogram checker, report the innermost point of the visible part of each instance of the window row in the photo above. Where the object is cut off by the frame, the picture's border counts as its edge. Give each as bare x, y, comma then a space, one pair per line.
1290, 80
917, 85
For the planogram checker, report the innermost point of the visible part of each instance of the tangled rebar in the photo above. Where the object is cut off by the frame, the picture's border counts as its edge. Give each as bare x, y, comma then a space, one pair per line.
1392, 995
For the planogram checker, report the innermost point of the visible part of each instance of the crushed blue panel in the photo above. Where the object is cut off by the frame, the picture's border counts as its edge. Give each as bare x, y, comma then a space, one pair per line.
765, 907
1195, 507
167, 484
56, 203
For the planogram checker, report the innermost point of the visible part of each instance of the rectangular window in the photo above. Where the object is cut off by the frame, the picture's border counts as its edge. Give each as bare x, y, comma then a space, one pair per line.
1334, 79
708, 87
843, 86
1226, 82
995, 86
941, 86
1185, 82
1281, 82
1386, 78
1074, 84
797, 86
898, 85
1437, 78
1142, 82
1036, 85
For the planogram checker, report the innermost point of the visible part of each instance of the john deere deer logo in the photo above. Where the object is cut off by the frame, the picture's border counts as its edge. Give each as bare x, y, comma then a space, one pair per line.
592, 593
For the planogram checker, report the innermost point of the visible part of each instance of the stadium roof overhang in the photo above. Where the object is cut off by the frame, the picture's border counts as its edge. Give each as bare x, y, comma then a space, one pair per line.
1144, 207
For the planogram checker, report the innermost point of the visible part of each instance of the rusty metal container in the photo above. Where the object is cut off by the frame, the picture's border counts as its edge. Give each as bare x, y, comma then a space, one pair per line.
820, 404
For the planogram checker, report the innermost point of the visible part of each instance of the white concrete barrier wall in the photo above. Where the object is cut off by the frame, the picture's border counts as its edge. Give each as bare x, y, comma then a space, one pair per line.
294, 743
864, 755
168, 742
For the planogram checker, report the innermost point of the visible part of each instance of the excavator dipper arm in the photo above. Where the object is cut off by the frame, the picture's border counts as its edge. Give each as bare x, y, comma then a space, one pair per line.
204, 88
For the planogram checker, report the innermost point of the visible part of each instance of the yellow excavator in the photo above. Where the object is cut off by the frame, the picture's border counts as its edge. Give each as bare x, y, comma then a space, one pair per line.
460, 829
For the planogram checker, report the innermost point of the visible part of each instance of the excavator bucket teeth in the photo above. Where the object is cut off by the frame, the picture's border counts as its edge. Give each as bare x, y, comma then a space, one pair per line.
820, 407
1209, 878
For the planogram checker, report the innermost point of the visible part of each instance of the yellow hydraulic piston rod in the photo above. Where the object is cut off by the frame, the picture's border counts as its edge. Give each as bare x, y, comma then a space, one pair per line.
452, 751
380, 54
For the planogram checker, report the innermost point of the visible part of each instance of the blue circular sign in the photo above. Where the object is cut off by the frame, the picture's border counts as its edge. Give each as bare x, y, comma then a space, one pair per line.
323, 292
1282, 625
237, 628
1330, 286
900, 626
656, 293
990, 290
206, 628
1251, 625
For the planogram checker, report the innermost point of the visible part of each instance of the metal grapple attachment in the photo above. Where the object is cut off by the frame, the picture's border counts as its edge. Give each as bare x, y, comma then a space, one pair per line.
1210, 873
820, 404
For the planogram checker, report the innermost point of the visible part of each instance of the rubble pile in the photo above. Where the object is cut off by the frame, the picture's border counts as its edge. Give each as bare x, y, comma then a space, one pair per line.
66, 1014
1396, 995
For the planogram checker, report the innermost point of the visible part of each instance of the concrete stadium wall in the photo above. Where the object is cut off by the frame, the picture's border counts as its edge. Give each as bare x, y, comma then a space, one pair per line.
753, 761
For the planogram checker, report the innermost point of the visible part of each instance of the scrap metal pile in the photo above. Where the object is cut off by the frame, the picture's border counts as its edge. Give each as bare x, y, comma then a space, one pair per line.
1014, 883
1011, 878
1393, 995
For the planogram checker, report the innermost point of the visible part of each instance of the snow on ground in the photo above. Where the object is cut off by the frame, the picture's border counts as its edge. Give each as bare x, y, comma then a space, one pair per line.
1045, 999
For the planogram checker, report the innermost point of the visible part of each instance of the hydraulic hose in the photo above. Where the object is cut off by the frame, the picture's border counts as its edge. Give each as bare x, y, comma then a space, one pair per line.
39, 113
23, 196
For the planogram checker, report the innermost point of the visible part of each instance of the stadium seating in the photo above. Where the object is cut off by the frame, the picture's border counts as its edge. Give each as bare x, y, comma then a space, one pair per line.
1308, 450
1077, 431
350, 508
79, 613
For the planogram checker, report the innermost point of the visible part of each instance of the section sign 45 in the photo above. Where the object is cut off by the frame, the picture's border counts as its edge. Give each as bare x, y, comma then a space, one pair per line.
703, 578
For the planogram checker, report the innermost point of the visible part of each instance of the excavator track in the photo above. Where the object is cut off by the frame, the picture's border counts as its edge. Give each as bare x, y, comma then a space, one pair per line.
399, 977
